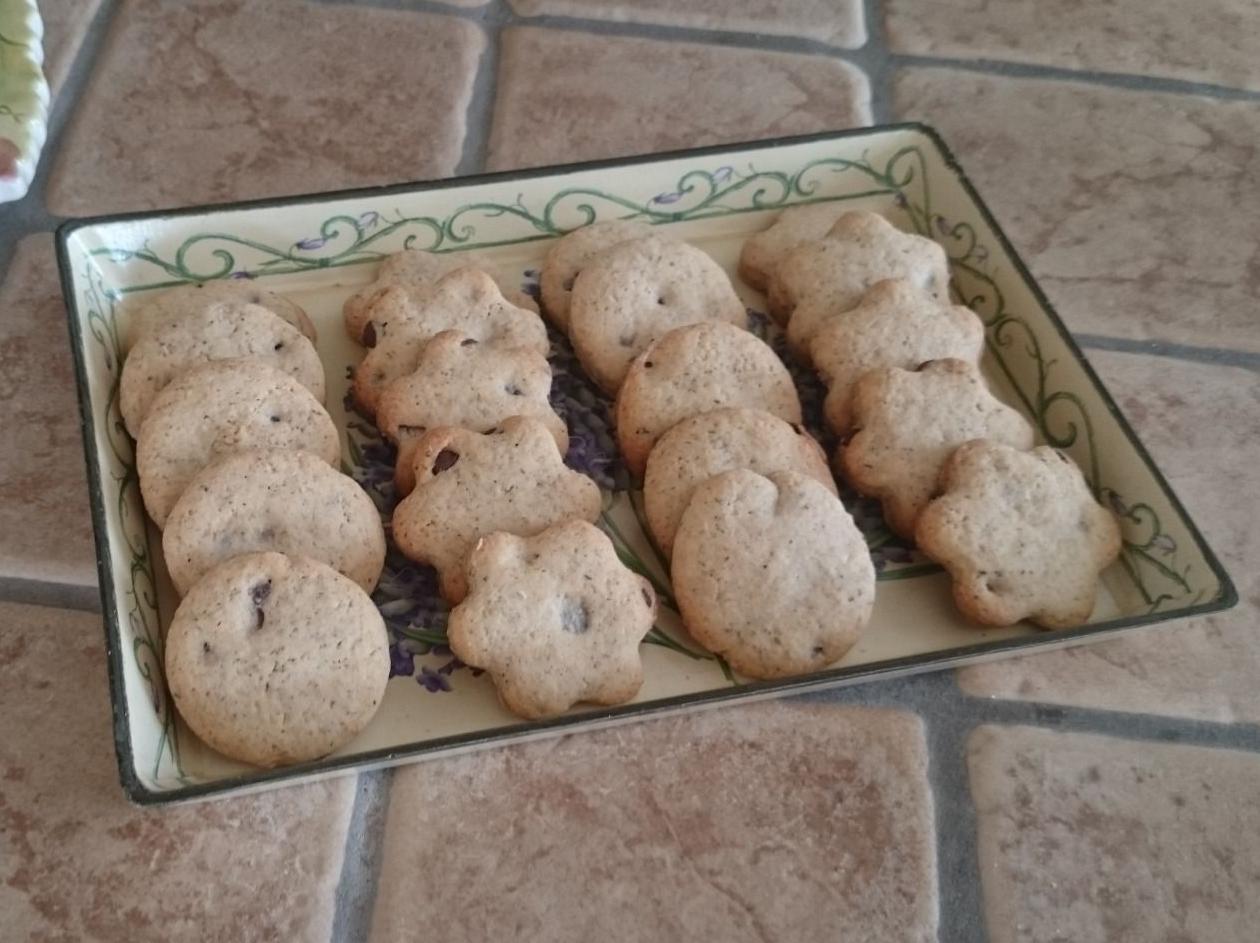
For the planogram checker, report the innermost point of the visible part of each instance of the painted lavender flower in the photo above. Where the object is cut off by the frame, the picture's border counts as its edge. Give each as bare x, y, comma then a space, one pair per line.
407, 594
592, 448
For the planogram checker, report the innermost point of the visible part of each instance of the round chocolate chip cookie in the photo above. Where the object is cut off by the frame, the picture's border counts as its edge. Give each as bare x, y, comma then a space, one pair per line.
693, 370
638, 291
220, 408
714, 442
220, 332
571, 253
275, 659
278, 499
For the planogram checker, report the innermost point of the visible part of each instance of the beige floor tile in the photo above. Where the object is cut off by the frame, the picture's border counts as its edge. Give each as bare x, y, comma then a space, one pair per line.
45, 530
839, 22
65, 25
565, 96
77, 862
194, 102
777, 821
1131, 207
1202, 425
1215, 41
1095, 840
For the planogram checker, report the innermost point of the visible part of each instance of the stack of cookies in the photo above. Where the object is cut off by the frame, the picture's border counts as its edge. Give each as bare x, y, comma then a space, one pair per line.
276, 653
868, 307
769, 569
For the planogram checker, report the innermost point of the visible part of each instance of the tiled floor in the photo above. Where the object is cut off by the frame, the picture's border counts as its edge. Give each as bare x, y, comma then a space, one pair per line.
1103, 794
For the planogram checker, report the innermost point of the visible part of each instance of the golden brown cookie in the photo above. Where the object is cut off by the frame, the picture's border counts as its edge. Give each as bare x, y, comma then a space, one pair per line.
470, 484
218, 409
771, 573
823, 279
183, 301
274, 499
275, 659
555, 619
416, 272
908, 422
896, 325
693, 370
219, 332
638, 291
710, 443
466, 300
1020, 533
795, 226
461, 382
571, 253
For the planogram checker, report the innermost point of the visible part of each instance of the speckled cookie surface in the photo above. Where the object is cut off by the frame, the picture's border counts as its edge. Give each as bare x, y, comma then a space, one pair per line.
1020, 534
220, 408
571, 253
278, 499
638, 291
896, 325
556, 619
909, 421
220, 332
416, 272
796, 225
470, 484
822, 279
696, 369
273, 659
719, 441
467, 300
772, 573
175, 304
461, 382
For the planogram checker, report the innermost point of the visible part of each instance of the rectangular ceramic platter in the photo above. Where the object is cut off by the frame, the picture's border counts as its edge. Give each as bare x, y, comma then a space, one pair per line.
319, 249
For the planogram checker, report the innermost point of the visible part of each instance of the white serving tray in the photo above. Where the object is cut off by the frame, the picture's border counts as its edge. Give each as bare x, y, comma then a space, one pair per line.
320, 248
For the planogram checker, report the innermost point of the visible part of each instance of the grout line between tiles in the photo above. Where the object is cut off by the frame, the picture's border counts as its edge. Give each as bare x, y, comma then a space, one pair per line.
479, 115
1217, 356
361, 866
1123, 80
477, 14
881, 59
58, 595
936, 700
878, 65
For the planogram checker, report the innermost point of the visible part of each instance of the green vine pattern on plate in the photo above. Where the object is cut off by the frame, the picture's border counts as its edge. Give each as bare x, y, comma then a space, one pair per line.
1059, 415
141, 597
353, 239
348, 239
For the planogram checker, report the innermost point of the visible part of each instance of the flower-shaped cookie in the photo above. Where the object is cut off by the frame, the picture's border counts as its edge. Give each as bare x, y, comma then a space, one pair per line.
795, 226
469, 485
910, 421
896, 325
1021, 535
460, 381
819, 280
466, 300
416, 271
555, 619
